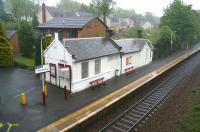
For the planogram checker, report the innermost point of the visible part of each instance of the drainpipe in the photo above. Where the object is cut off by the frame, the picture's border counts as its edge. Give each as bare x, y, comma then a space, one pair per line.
70, 77
120, 63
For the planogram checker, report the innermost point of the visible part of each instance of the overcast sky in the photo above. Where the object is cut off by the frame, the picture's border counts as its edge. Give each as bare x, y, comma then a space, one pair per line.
140, 6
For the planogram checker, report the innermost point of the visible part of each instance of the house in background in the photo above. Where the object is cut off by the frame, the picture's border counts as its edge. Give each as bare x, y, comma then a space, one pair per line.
136, 53
126, 23
13, 39
86, 60
47, 13
147, 25
75, 27
113, 23
70, 24
116, 23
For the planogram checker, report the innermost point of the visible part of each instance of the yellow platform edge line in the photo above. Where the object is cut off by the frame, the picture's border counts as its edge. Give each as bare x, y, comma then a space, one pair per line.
85, 112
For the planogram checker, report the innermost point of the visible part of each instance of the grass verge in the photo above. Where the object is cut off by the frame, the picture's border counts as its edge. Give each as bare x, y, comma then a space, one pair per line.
24, 62
190, 122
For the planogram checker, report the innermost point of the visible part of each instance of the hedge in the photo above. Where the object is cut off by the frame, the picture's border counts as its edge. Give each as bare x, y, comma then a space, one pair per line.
6, 55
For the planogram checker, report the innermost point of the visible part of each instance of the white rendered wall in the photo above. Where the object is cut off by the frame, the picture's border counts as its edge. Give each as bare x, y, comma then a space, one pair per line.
55, 54
139, 59
145, 57
109, 64
108, 67
135, 61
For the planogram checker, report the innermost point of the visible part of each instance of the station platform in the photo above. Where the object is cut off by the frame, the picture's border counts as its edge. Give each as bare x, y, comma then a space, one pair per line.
34, 116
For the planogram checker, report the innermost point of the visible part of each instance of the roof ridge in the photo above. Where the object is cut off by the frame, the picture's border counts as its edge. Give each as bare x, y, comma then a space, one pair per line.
124, 39
83, 38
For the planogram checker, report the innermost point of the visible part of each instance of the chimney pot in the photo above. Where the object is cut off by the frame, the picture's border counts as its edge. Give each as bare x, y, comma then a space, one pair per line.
56, 36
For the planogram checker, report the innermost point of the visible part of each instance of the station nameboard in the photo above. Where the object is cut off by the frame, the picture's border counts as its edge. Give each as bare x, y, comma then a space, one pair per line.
42, 68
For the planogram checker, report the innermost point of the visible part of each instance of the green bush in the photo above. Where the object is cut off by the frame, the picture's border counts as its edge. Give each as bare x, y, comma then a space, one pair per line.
6, 56
26, 39
46, 41
6, 50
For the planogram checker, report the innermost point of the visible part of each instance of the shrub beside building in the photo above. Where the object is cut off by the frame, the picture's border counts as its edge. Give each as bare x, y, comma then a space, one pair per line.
6, 50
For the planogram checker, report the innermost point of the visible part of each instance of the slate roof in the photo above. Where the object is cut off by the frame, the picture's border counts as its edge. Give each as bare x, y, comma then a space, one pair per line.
69, 22
89, 48
54, 11
10, 33
58, 12
131, 45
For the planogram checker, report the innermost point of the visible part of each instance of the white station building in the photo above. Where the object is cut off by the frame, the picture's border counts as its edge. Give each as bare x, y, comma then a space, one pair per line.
76, 62
135, 52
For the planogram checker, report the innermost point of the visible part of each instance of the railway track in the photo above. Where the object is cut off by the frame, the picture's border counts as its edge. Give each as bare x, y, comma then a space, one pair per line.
132, 117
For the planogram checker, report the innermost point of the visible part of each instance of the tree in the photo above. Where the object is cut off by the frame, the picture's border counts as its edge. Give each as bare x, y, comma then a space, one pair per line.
46, 41
164, 43
2, 10
123, 13
21, 9
26, 39
161, 40
153, 19
6, 50
15, 7
180, 18
34, 22
84, 8
3, 15
102, 8
69, 5
37, 50
37, 36
135, 32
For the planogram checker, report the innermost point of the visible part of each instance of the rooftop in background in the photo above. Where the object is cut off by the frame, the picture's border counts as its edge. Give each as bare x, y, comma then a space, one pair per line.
132, 45
58, 12
88, 48
69, 22
10, 33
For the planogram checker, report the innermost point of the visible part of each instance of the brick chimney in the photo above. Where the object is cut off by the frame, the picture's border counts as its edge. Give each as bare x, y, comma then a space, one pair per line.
43, 13
56, 36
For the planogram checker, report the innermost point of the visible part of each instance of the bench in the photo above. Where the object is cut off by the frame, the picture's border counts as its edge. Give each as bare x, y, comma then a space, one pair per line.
97, 82
129, 70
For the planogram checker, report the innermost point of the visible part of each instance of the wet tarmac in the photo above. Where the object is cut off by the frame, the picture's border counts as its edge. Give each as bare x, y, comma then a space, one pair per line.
34, 115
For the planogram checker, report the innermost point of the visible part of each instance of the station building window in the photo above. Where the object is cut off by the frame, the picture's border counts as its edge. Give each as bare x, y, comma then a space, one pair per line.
52, 70
97, 66
129, 60
84, 69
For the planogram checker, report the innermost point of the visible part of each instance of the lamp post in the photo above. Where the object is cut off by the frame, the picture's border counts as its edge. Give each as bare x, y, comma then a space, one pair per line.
42, 61
187, 47
171, 48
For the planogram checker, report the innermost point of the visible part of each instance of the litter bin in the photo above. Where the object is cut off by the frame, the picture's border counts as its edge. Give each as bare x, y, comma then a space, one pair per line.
116, 72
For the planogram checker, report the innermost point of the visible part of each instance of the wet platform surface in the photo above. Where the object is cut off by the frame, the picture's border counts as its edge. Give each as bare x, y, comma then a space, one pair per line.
34, 115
